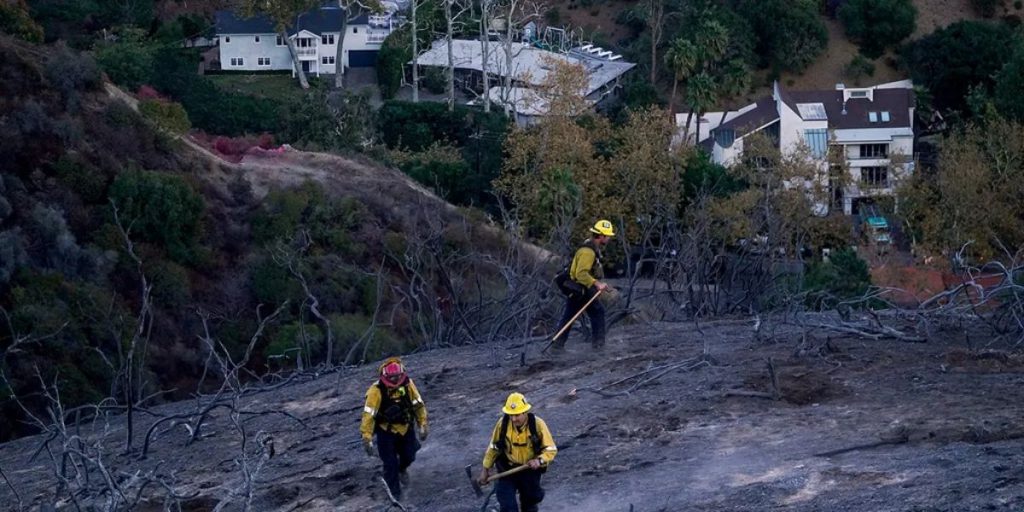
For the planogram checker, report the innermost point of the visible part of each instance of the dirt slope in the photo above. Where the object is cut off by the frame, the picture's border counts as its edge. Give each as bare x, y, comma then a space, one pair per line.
679, 443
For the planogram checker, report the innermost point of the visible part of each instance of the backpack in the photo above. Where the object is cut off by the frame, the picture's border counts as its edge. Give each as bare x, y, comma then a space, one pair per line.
565, 283
535, 440
391, 411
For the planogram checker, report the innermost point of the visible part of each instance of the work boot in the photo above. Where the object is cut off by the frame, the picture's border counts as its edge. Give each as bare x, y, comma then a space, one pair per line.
403, 476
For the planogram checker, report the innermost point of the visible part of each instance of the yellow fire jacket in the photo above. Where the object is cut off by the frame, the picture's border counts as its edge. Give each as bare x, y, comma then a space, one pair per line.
518, 448
372, 405
586, 267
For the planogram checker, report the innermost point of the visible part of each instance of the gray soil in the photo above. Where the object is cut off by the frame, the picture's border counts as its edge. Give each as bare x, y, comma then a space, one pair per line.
933, 427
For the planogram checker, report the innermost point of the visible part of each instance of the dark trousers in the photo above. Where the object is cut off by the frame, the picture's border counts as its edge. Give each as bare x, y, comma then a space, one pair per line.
527, 484
595, 311
397, 452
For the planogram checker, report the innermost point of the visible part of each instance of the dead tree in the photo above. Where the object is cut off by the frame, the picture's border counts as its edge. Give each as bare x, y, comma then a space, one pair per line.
350, 9
84, 472
131, 368
517, 14
485, 52
453, 10
291, 257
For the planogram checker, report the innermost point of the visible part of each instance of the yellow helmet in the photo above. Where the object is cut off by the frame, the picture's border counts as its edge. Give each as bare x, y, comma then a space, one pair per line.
603, 227
516, 404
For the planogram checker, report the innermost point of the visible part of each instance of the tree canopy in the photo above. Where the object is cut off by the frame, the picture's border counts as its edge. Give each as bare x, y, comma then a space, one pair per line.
790, 33
878, 24
951, 60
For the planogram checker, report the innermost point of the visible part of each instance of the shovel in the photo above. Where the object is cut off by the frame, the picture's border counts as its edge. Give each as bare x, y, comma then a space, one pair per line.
476, 485
571, 321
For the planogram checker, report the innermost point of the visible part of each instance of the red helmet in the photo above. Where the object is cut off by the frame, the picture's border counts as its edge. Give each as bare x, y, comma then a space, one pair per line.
392, 373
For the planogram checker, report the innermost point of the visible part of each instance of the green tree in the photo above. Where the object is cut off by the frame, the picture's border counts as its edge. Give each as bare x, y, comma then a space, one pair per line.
680, 58
160, 208
952, 59
700, 96
16, 21
986, 8
391, 59
843, 276
878, 24
128, 61
1009, 89
790, 33
974, 194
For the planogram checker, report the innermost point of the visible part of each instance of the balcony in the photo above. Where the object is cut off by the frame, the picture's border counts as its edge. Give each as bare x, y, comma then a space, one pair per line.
379, 21
376, 37
306, 53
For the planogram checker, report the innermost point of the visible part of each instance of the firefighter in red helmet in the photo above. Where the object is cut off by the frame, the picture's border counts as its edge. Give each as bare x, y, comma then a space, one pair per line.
392, 405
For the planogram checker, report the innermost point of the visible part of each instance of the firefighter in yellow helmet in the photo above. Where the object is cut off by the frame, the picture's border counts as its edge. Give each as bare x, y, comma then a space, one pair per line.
519, 438
581, 281
392, 404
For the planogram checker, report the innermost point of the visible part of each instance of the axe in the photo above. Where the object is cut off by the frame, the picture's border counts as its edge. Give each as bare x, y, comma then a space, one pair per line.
476, 485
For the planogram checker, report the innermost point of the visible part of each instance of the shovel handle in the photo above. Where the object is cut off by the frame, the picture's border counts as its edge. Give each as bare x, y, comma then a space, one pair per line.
507, 473
577, 315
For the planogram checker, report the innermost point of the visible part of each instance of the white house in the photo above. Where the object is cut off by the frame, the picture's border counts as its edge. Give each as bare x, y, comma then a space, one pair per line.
251, 44
529, 69
871, 127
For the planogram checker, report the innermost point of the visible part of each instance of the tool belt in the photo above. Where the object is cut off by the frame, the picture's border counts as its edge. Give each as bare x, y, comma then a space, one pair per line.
568, 286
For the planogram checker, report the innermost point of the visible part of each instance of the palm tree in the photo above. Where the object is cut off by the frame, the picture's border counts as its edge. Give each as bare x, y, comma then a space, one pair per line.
735, 80
713, 41
681, 58
700, 94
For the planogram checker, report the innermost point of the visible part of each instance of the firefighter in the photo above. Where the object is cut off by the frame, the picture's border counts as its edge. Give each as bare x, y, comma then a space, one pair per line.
519, 438
584, 274
392, 404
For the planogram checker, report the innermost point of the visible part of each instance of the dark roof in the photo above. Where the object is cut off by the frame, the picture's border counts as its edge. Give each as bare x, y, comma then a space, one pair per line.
317, 21
897, 102
764, 113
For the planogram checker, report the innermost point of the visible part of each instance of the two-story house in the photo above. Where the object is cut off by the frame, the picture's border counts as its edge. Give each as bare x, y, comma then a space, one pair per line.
252, 44
867, 130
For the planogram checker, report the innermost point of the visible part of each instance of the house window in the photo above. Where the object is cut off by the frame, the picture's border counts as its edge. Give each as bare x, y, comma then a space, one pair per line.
885, 117
874, 177
237, 61
355, 30
327, 59
874, 150
280, 41
256, 39
873, 117
858, 94
227, 39
263, 61
327, 39
817, 141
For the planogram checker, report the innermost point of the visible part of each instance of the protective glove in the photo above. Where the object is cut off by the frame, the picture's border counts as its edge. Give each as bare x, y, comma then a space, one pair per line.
484, 475
424, 431
368, 446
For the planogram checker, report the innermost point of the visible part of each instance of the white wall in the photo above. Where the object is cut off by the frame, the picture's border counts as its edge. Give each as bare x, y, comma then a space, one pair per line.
899, 146
245, 47
791, 129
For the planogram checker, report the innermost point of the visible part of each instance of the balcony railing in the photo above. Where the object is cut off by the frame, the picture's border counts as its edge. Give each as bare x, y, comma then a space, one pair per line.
376, 37
377, 20
305, 52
